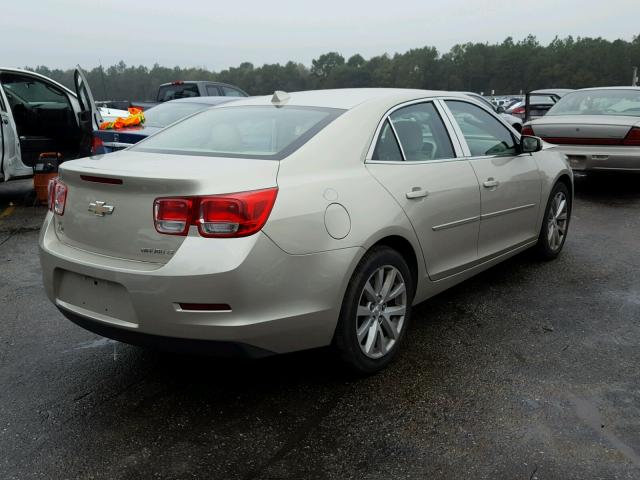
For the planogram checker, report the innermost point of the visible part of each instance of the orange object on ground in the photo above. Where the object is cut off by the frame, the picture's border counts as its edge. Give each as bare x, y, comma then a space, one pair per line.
136, 117
41, 186
45, 169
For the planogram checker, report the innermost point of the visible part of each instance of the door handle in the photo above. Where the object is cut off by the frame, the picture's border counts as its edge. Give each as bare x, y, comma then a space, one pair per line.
417, 192
490, 183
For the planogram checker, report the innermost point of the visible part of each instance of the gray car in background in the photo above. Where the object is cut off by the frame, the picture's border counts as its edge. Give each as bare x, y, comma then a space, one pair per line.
597, 128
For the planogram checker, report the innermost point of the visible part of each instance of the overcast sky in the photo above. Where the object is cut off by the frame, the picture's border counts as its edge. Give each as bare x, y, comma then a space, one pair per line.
216, 34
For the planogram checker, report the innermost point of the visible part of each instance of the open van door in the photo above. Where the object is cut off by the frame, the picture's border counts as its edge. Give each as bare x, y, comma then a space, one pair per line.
89, 117
11, 165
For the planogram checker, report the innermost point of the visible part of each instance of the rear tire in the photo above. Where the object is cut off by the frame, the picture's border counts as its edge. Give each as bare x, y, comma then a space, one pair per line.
375, 312
555, 224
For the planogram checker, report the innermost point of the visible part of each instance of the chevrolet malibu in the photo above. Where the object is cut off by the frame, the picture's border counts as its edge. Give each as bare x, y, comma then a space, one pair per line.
276, 224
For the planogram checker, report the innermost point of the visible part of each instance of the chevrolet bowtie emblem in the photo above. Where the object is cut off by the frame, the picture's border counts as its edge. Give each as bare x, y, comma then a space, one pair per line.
101, 209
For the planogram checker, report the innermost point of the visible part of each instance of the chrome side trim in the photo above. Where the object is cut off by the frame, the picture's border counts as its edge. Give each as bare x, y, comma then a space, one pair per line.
507, 211
456, 223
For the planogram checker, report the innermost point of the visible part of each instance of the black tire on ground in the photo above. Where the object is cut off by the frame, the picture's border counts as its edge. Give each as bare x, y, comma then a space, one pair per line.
346, 339
545, 248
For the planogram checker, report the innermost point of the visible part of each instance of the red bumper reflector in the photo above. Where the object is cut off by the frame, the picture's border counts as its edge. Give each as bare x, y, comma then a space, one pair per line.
205, 307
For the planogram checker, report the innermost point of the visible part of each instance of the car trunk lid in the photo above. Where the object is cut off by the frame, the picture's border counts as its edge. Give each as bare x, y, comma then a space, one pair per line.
584, 129
130, 182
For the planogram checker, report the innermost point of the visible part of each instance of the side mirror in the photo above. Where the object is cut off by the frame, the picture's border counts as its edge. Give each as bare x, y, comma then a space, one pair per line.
530, 144
500, 109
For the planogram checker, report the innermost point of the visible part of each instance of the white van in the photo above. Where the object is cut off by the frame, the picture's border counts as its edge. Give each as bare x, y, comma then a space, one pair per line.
40, 115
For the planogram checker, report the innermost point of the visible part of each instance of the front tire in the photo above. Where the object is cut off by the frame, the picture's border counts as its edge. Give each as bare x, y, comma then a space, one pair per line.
555, 224
375, 312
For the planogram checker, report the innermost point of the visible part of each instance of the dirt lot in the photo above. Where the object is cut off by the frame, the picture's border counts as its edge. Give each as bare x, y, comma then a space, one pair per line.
530, 370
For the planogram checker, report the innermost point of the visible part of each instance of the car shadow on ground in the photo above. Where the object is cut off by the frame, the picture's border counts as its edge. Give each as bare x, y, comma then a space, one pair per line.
607, 188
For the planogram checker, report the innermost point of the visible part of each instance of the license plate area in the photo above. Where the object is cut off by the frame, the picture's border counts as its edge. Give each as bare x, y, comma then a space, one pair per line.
100, 299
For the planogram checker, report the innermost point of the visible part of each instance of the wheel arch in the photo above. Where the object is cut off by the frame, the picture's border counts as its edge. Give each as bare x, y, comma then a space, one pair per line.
404, 248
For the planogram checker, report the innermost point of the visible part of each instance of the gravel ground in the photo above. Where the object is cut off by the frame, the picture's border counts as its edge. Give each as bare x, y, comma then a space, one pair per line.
528, 371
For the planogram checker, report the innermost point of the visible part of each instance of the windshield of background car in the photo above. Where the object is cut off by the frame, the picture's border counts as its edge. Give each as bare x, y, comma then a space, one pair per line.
599, 102
261, 132
168, 113
178, 90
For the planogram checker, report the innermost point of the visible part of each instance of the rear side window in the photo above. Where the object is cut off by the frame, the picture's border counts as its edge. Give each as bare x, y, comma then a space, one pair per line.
422, 133
231, 92
213, 91
484, 133
179, 90
387, 148
261, 132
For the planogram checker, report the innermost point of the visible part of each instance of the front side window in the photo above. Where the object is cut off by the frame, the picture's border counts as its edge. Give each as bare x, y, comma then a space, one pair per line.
422, 133
484, 133
599, 102
261, 132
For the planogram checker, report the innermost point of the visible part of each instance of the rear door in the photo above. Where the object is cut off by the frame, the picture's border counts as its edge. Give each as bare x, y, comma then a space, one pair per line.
11, 165
510, 182
416, 160
89, 117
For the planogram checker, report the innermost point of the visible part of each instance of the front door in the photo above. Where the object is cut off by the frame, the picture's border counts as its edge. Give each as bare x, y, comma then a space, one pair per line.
89, 117
416, 161
11, 165
510, 184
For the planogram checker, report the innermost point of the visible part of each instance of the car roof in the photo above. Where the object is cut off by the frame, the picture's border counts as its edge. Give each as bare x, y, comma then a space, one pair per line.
204, 100
348, 98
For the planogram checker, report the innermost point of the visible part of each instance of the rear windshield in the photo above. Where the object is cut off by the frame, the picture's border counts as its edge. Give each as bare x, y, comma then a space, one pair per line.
599, 102
180, 90
168, 113
261, 132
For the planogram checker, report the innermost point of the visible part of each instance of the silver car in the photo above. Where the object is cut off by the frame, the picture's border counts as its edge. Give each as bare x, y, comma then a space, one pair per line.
597, 128
302, 220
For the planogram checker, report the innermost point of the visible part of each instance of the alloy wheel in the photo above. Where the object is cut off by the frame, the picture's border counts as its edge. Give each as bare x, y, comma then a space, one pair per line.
381, 311
557, 220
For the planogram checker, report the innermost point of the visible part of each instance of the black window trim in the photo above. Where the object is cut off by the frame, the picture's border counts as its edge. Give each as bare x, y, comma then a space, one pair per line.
450, 128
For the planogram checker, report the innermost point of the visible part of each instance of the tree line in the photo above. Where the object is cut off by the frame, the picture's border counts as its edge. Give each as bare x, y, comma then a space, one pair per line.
506, 68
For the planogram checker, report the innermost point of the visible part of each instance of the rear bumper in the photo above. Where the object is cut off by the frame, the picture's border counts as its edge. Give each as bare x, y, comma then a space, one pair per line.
584, 158
279, 302
169, 344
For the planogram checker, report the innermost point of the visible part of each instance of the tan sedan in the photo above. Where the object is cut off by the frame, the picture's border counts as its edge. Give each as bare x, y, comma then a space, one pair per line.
302, 220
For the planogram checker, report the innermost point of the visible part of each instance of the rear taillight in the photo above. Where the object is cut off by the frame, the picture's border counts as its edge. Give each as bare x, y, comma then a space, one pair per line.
633, 138
216, 216
97, 145
57, 196
518, 111
527, 130
172, 216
